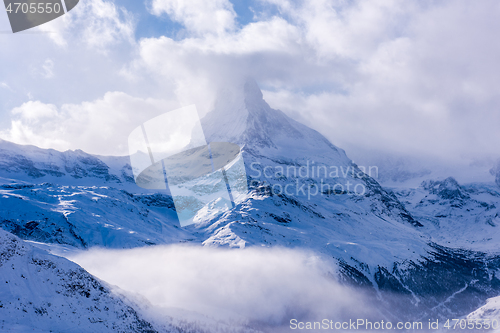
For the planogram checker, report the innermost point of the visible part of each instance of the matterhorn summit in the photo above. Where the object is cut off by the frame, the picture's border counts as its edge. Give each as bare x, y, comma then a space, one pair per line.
242, 116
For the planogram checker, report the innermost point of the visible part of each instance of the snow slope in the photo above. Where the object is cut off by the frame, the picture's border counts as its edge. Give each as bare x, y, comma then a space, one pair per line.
84, 216
44, 293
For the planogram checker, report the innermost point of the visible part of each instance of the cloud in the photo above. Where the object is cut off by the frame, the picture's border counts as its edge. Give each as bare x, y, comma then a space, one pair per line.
370, 75
262, 286
418, 78
364, 73
78, 57
95, 23
198, 16
104, 23
101, 126
199, 66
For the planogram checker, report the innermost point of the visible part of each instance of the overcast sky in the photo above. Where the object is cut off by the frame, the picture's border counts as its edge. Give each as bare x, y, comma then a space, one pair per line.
379, 75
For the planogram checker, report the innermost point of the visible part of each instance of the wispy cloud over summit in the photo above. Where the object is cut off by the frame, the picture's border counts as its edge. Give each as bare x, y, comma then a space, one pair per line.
416, 78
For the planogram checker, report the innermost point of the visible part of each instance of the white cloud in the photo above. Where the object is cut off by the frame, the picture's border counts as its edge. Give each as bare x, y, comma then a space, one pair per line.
33, 111
266, 286
81, 53
340, 29
199, 66
199, 16
100, 127
418, 78
104, 23
96, 23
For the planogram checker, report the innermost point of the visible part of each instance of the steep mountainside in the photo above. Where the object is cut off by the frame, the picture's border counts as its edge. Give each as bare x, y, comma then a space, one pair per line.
51, 294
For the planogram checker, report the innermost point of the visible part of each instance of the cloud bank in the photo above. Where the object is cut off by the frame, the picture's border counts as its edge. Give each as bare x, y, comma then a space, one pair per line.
261, 287
414, 78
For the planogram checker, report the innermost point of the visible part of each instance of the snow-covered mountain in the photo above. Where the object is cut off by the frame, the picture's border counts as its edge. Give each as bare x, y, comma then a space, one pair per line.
377, 241
44, 293
72, 167
85, 216
303, 192
459, 216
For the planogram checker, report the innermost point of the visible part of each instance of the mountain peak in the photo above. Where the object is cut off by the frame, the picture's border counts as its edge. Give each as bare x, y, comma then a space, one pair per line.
239, 99
446, 189
252, 91
242, 116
